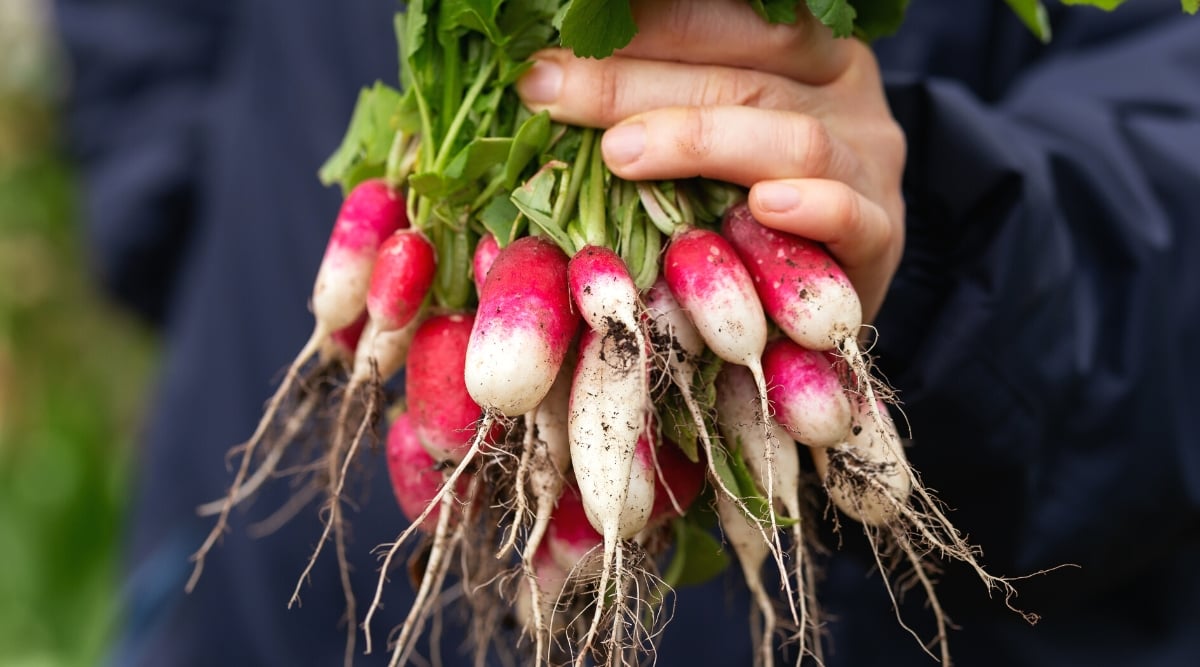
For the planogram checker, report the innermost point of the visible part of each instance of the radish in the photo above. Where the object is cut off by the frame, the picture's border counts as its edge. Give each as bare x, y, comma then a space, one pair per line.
680, 344
523, 326
371, 211
401, 279
740, 421
416, 478
343, 342
443, 413
521, 331
708, 279
801, 287
485, 255
608, 415
806, 394
678, 480
752, 550
866, 476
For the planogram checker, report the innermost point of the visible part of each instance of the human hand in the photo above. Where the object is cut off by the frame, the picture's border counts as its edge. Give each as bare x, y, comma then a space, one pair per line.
711, 89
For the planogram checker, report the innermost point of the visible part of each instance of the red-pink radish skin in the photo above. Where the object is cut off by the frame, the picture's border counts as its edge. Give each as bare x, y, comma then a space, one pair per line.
401, 278
523, 327
801, 287
443, 412
678, 480
485, 255
414, 474
709, 280
570, 536
806, 394
603, 289
371, 212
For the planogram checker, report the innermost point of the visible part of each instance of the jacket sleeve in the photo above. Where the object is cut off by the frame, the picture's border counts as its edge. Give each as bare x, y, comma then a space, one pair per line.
142, 76
1042, 329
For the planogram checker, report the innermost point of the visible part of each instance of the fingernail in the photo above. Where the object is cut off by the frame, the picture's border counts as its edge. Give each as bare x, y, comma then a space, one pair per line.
542, 83
624, 143
776, 197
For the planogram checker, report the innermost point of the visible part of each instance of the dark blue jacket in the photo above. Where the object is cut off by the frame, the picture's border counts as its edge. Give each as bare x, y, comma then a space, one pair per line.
1041, 329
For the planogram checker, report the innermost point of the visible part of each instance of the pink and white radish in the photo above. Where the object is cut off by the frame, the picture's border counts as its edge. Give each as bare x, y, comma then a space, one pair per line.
806, 394
608, 415
740, 421
400, 279
679, 344
369, 214
801, 287
708, 279
522, 328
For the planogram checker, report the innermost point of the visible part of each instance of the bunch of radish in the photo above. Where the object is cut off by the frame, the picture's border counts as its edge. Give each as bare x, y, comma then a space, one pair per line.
601, 379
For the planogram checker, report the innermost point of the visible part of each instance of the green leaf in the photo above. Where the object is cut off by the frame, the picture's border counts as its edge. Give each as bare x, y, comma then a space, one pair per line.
878, 18
1106, 5
527, 26
837, 14
368, 137
477, 15
501, 218
775, 11
596, 28
1191, 6
477, 158
530, 140
411, 29
698, 556
1033, 14
534, 199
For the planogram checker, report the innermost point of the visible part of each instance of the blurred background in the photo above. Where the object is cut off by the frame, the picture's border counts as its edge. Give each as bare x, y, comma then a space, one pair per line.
74, 372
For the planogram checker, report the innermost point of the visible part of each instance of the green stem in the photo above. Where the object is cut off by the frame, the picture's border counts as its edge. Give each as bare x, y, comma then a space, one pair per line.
591, 201
566, 206
482, 78
451, 81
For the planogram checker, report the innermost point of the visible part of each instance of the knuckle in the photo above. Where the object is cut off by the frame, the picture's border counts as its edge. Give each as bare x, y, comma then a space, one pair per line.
812, 146
730, 87
696, 139
608, 89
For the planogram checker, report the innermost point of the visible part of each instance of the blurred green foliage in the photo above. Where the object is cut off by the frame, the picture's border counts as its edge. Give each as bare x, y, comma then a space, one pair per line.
73, 376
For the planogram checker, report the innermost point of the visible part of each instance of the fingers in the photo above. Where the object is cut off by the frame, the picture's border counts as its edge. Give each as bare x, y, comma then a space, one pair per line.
864, 238
730, 33
726, 143
601, 93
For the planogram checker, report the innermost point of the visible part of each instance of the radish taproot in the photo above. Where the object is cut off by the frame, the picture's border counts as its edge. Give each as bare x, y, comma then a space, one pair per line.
416, 478
608, 414
741, 421
369, 214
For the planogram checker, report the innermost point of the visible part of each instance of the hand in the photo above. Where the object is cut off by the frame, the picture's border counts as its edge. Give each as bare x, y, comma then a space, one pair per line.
799, 117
